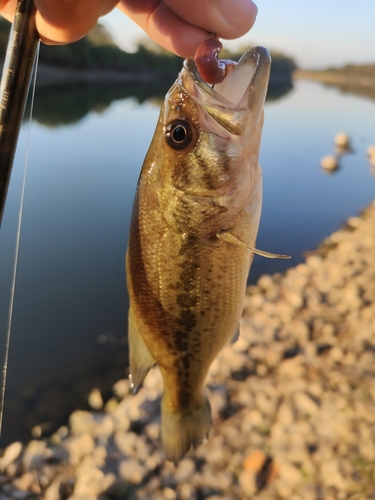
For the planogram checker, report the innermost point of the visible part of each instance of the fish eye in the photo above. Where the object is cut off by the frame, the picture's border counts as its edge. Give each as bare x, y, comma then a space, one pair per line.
180, 135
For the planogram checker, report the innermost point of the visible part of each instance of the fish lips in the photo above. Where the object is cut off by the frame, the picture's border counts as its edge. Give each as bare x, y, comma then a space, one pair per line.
240, 97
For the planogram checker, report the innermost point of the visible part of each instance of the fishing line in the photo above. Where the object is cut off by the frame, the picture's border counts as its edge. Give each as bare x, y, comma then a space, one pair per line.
17, 246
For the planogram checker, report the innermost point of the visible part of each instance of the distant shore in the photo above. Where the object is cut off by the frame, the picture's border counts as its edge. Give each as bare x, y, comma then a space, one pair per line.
56, 75
351, 83
50, 75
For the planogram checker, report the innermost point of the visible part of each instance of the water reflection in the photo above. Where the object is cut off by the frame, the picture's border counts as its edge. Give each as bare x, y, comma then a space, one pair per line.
352, 88
277, 91
68, 104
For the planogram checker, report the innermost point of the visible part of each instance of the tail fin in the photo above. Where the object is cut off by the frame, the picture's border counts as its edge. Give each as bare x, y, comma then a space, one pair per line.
183, 429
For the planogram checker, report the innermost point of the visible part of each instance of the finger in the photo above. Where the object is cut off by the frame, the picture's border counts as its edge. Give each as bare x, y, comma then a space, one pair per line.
226, 18
8, 8
164, 26
69, 21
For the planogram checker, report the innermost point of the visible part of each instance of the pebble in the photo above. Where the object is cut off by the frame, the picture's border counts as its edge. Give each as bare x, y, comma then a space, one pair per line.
35, 455
342, 140
185, 470
95, 399
294, 396
329, 162
10, 454
132, 471
304, 403
78, 446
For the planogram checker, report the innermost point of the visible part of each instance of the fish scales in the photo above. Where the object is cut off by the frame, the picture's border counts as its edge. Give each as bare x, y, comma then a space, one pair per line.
199, 182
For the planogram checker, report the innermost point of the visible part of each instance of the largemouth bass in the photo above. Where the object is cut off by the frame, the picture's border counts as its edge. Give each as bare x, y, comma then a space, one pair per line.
195, 220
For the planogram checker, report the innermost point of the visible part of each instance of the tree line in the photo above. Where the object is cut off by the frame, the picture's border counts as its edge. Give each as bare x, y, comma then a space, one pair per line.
98, 51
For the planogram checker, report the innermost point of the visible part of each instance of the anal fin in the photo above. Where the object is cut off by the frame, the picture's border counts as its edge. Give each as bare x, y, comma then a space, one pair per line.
140, 358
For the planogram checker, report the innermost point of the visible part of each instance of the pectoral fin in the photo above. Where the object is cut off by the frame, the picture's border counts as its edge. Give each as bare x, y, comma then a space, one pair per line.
229, 238
140, 358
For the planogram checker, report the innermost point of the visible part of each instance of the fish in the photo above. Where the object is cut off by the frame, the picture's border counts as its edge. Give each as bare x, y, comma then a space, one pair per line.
192, 238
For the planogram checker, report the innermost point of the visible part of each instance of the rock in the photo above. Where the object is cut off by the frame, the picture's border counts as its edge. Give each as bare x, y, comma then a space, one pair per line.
187, 492
152, 431
111, 405
20, 495
122, 388
58, 489
153, 461
36, 431
218, 400
91, 481
11, 453
95, 399
169, 494
83, 497
255, 461
217, 456
60, 435
285, 414
35, 455
329, 163
304, 404
132, 445
342, 140
289, 474
27, 481
78, 447
247, 480
185, 469
131, 471
331, 475
81, 422
104, 428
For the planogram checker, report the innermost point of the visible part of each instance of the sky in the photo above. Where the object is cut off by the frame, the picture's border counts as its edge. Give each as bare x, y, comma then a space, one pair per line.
316, 33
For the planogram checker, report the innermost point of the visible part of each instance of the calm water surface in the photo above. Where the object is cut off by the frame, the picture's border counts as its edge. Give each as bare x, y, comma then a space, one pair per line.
85, 154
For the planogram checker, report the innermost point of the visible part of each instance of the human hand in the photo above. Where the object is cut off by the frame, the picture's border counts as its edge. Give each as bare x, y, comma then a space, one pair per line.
177, 25
180, 25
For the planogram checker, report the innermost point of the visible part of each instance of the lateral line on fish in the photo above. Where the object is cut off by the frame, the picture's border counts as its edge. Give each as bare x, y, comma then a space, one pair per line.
229, 238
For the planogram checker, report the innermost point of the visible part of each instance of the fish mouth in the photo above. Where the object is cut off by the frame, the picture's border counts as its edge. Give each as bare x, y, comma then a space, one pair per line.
249, 78
244, 89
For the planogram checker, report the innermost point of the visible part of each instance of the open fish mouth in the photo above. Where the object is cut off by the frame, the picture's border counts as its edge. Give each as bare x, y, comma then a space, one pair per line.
245, 87
240, 97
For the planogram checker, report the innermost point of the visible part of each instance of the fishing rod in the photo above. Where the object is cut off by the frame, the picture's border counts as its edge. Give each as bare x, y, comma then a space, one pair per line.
14, 88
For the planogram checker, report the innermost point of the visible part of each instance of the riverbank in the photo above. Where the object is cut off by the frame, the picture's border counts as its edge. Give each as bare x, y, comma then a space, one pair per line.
350, 82
293, 402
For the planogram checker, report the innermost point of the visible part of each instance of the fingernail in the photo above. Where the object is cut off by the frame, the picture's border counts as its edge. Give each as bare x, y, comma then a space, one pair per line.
239, 13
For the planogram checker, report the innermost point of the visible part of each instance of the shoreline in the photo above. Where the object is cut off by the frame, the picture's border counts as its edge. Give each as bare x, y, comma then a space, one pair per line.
49, 76
359, 85
293, 402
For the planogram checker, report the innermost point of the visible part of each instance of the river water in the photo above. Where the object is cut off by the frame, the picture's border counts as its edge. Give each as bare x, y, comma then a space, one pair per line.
85, 150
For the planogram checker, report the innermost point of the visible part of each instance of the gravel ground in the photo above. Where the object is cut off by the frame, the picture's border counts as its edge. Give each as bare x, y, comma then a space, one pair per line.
293, 403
